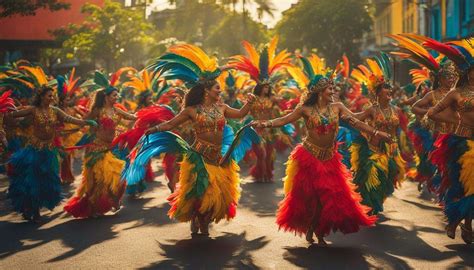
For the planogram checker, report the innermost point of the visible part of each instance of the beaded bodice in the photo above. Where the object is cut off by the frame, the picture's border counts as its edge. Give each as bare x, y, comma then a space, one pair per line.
261, 106
322, 123
466, 104
208, 119
386, 120
45, 124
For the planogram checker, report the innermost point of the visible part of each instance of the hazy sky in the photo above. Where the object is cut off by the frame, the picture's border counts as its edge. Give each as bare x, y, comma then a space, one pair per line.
280, 5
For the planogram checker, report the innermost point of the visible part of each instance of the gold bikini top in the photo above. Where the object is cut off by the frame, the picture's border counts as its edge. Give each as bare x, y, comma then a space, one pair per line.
466, 104
261, 105
321, 123
208, 120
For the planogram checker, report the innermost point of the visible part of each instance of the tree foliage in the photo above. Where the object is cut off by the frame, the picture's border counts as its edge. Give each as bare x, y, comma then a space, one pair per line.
333, 27
111, 35
28, 7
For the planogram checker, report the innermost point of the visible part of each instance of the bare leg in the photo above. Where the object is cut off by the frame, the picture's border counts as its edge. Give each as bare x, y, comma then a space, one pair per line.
314, 224
466, 230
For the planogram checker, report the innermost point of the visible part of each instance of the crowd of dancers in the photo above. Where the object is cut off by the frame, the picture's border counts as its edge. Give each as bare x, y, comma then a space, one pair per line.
359, 134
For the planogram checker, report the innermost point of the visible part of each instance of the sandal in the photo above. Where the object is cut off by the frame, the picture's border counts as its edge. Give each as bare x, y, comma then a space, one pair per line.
466, 234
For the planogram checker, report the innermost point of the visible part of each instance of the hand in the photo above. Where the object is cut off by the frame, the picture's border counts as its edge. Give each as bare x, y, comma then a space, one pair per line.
430, 112
91, 123
383, 136
251, 98
257, 124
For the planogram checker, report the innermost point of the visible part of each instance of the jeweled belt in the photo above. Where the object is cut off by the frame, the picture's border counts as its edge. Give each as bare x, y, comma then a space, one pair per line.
318, 152
211, 152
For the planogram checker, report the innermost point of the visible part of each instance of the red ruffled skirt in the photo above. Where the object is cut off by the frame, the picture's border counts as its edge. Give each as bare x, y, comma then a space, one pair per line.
311, 184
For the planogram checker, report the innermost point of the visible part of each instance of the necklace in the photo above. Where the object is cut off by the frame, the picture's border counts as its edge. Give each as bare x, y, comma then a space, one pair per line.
212, 111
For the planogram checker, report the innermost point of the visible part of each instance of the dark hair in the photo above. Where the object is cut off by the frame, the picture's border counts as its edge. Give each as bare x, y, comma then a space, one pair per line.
142, 100
436, 82
464, 80
311, 99
42, 91
196, 94
381, 86
98, 101
259, 88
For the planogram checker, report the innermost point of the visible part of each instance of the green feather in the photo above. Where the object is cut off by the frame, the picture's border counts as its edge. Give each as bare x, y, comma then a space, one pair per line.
307, 67
100, 79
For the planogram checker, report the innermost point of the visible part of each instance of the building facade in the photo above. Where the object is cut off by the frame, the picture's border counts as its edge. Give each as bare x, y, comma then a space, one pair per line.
451, 19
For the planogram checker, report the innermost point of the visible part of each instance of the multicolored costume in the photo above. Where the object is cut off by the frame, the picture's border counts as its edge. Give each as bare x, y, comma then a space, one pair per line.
318, 186
208, 180
457, 161
377, 168
263, 69
101, 187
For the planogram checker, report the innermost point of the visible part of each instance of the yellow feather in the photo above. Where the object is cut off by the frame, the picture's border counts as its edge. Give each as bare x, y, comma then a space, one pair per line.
467, 169
299, 76
251, 53
291, 171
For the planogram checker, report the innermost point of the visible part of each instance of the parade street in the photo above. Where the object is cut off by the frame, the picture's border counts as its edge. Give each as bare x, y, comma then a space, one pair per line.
409, 234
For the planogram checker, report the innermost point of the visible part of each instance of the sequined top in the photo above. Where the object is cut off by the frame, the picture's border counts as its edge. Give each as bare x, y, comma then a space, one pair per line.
45, 124
466, 104
261, 106
322, 124
208, 120
107, 130
386, 122
441, 127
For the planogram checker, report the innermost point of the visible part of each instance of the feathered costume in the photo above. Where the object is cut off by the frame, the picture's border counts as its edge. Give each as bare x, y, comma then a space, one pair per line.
71, 134
101, 187
377, 169
263, 68
455, 152
208, 183
319, 193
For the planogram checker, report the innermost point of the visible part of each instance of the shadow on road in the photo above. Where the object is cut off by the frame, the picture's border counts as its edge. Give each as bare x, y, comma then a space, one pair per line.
263, 198
78, 234
316, 257
227, 251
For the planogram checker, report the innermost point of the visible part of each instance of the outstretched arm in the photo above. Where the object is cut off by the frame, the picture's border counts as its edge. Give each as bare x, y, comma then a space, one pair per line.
234, 113
64, 117
348, 116
442, 105
20, 113
420, 107
281, 121
126, 115
179, 119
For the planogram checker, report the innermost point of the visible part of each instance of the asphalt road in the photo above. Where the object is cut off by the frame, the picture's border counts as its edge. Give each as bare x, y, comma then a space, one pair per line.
409, 234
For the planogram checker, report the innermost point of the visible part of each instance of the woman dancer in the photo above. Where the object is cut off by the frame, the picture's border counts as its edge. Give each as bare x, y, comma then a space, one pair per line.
101, 188
208, 188
458, 192
35, 182
377, 166
319, 194
263, 69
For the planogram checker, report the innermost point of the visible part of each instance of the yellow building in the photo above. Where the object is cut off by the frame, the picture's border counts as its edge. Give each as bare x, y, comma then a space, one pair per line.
395, 16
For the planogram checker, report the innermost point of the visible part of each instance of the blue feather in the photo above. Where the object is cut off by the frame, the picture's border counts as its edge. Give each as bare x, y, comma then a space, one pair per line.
289, 129
227, 139
87, 138
248, 137
151, 146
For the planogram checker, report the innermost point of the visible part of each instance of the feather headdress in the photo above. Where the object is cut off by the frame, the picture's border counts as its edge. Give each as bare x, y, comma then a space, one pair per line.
188, 63
67, 86
376, 72
460, 52
25, 80
262, 67
6, 102
102, 82
313, 75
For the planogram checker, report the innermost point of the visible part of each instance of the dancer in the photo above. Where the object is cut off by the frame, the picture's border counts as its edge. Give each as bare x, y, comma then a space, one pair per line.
101, 188
319, 194
458, 192
263, 69
70, 134
208, 188
35, 182
377, 166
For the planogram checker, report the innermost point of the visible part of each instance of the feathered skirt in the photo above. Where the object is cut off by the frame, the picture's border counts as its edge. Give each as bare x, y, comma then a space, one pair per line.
101, 188
313, 186
376, 173
35, 181
454, 156
205, 189
423, 142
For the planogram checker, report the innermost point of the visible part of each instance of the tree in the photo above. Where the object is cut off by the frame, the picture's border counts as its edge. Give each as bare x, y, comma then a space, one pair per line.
111, 35
333, 27
229, 44
28, 7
